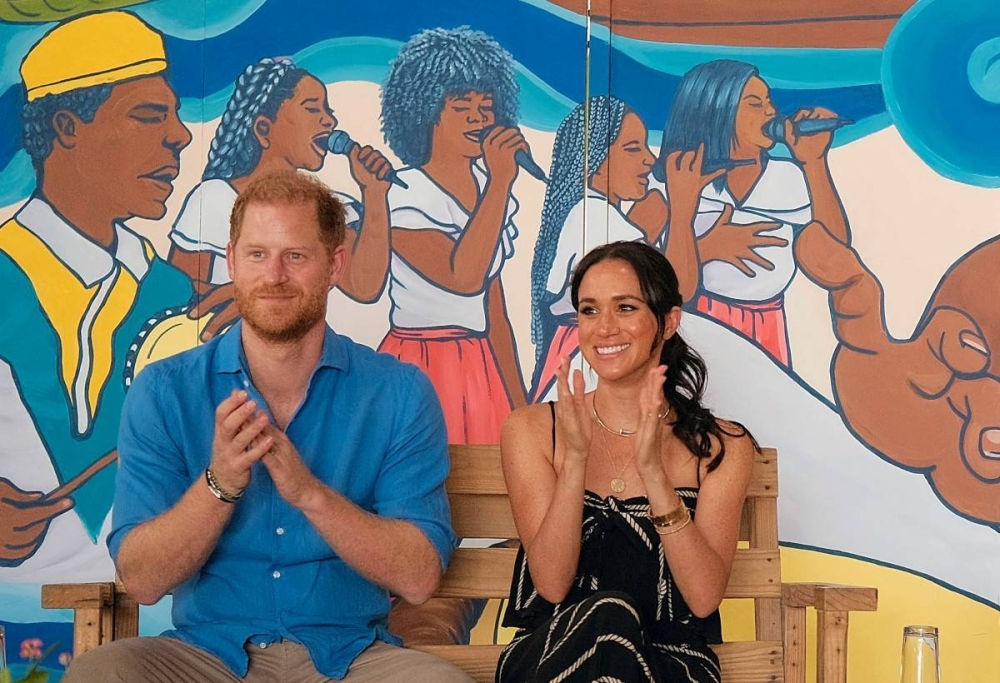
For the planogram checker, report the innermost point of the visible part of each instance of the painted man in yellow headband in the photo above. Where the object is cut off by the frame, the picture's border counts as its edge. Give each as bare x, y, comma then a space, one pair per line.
101, 127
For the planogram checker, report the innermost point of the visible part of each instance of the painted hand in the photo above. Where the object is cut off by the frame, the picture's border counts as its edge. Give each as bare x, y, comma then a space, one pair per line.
807, 148
928, 403
218, 306
737, 244
369, 168
685, 177
499, 148
24, 520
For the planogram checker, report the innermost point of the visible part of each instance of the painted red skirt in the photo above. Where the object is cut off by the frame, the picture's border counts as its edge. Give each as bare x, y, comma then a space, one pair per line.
565, 342
763, 322
464, 371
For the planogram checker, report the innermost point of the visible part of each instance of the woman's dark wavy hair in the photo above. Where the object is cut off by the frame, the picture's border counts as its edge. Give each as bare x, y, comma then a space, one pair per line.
684, 387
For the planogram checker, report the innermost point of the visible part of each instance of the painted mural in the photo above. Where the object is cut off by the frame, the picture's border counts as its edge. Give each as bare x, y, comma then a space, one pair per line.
824, 181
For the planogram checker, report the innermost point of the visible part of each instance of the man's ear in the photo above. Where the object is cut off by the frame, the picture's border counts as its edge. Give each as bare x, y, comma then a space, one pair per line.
262, 131
229, 261
338, 264
65, 124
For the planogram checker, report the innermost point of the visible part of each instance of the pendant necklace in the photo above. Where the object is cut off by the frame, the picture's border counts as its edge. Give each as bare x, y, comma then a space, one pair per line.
618, 481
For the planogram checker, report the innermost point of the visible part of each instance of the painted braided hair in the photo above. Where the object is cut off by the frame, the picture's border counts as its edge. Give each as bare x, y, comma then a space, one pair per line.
704, 112
565, 190
260, 90
436, 64
684, 387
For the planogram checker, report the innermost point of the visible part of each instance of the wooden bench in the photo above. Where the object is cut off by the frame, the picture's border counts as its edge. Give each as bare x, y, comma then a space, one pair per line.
480, 509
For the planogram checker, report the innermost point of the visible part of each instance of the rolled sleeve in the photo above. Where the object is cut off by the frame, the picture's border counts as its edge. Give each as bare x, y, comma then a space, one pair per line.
410, 485
152, 473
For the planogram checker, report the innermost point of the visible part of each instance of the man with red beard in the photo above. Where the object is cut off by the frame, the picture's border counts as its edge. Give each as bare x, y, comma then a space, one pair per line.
281, 480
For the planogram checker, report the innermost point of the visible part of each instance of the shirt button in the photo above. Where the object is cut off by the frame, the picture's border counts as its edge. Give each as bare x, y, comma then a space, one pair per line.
276, 574
263, 646
280, 531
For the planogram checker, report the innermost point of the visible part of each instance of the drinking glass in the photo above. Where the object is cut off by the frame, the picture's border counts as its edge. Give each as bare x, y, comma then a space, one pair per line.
920, 655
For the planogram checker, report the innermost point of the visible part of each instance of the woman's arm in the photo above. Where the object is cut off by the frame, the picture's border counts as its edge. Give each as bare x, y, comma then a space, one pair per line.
684, 183
368, 265
700, 554
502, 341
462, 266
811, 151
546, 496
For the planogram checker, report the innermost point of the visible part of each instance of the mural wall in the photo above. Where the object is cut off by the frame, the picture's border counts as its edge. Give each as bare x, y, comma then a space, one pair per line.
823, 180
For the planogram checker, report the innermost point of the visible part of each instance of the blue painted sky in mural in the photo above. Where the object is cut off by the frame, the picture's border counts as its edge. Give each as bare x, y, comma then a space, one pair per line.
359, 44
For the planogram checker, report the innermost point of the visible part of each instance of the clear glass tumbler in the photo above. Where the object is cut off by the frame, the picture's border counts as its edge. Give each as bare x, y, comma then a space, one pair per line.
920, 655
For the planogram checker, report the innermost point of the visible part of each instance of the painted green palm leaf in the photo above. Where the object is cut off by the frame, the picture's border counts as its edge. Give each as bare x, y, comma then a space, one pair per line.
43, 11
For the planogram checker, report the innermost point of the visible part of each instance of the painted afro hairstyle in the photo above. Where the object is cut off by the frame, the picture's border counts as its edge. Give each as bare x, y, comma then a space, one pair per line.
436, 64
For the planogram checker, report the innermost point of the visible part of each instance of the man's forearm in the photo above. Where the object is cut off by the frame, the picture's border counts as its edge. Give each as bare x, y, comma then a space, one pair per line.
162, 553
389, 552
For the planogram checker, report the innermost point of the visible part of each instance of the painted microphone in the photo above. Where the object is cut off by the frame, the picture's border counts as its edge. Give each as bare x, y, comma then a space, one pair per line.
341, 143
522, 158
707, 166
713, 165
775, 128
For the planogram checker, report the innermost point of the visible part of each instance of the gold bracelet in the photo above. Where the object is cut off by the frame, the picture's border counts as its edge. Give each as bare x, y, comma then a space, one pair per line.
666, 531
672, 518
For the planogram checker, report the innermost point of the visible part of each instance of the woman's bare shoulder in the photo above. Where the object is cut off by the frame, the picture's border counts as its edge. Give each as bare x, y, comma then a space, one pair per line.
740, 443
528, 420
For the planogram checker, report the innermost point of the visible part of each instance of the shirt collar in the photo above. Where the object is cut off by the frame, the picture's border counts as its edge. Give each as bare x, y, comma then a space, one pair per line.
87, 259
229, 356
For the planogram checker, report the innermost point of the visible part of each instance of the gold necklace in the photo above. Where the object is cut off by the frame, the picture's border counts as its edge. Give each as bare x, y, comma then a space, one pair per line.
627, 433
618, 482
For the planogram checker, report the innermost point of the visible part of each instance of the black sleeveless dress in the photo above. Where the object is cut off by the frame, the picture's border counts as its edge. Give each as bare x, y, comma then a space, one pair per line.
624, 619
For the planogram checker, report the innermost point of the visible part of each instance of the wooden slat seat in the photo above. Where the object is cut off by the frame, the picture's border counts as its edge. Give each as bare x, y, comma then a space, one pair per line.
480, 509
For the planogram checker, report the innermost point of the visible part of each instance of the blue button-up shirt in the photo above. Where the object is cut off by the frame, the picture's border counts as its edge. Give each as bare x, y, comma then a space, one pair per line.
370, 428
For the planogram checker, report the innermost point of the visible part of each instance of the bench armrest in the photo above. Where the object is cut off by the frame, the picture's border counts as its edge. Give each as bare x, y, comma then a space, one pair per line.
833, 603
102, 612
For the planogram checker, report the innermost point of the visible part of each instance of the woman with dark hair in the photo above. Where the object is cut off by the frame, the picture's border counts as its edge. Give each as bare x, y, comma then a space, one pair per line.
616, 578
449, 112
279, 118
746, 220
